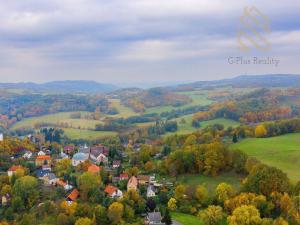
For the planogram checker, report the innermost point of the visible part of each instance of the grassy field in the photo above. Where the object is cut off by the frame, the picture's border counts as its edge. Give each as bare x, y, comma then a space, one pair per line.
282, 152
225, 122
123, 110
77, 134
211, 182
56, 118
197, 99
185, 219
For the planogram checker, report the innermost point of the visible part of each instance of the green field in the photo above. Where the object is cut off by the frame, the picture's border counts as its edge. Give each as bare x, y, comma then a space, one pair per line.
185, 219
282, 152
123, 110
197, 99
77, 134
211, 182
225, 122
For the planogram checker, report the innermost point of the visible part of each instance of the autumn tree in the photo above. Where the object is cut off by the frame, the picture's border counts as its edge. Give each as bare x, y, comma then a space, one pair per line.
223, 192
172, 204
260, 131
212, 215
245, 215
201, 194
115, 212
84, 221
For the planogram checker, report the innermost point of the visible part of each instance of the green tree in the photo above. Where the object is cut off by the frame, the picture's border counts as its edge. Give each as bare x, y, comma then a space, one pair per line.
27, 189
84, 221
101, 215
115, 212
88, 182
223, 192
167, 217
201, 194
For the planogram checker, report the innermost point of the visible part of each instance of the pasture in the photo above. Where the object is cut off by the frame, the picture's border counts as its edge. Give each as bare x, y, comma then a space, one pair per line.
282, 152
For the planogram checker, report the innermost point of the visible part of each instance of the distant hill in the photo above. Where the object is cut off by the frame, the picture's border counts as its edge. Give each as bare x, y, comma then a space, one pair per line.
269, 80
68, 86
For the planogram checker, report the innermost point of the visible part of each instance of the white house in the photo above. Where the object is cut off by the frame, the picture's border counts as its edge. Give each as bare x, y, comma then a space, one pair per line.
150, 191
79, 158
27, 155
41, 153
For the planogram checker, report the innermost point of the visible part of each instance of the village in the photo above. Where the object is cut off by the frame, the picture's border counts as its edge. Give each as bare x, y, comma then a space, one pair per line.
97, 161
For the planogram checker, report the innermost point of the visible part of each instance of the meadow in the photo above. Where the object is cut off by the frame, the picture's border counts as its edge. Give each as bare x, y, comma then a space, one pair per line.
282, 152
185, 219
77, 134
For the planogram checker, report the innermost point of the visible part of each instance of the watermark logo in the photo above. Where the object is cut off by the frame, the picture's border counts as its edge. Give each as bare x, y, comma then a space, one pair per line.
254, 27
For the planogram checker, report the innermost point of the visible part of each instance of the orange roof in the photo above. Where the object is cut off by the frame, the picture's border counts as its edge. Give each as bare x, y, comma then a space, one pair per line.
73, 195
15, 168
61, 183
94, 169
110, 189
132, 182
124, 175
43, 157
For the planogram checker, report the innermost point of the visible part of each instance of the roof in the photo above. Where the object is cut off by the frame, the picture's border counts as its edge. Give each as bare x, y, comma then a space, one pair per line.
154, 217
73, 195
69, 148
110, 190
94, 169
61, 183
15, 168
124, 175
51, 176
132, 181
43, 157
80, 156
143, 178
117, 162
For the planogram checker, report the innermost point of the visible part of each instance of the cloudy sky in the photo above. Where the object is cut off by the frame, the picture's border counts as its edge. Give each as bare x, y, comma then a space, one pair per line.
139, 41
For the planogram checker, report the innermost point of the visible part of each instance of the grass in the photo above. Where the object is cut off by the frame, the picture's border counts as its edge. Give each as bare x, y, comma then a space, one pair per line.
77, 134
56, 118
225, 122
211, 182
197, 99
124, 111
282, 152
185, 219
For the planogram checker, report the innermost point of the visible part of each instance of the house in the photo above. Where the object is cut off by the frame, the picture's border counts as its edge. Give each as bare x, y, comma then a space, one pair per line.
115, 179
124, 176
63, 155
154, 218
79, 158
41, 173
150, 191
5, 199
143, 179
69, 149
116, 164
12, 170
94, 169
51, 179
132, 183
43, 160
27, 155
100, 149
41, 152
113, 191
66, 186
1, 137
73, 195
46, 167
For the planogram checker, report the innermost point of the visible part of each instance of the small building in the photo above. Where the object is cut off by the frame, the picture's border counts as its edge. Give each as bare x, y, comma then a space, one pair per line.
42, 173
73, 195
27, 154
5, 199
150, 191
113, 191
132, 183
79, 158
94, 168
69, 149
116, 164
66, 186
51, 179
12, 170
124, 176
115, 179
43, 160
143, 179
41, 152
154, 218
1, 137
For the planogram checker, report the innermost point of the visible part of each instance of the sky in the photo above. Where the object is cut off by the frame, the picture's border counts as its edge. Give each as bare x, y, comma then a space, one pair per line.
142, 41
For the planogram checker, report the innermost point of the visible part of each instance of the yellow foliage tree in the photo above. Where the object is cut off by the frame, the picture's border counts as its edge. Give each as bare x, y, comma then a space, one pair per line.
260, 131
172, 204
115, 212
245, 215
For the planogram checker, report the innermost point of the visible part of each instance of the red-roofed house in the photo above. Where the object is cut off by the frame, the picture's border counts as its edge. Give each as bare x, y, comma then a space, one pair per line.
14, 169
132, 183
43, 160
124, 176
73, 195
94, 169
69, 149
113, 191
